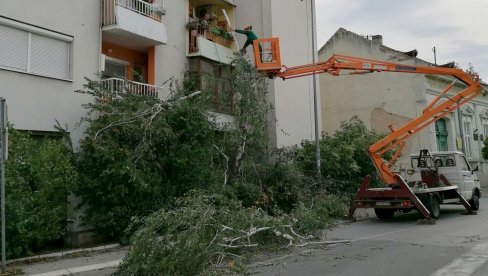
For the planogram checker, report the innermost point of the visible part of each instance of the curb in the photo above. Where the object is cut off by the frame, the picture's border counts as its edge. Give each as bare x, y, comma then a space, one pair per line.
63, 253
73, 270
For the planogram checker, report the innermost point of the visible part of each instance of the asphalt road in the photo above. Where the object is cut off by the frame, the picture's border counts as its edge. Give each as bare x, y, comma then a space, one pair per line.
456, 245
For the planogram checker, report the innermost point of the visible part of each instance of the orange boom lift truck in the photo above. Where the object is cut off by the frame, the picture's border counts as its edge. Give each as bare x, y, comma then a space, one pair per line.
432, 187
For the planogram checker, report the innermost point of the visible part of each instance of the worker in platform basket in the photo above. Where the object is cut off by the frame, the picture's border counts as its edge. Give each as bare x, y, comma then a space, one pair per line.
251, 36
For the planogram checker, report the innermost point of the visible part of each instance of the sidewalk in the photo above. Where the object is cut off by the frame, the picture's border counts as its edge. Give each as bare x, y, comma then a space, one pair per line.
102, 260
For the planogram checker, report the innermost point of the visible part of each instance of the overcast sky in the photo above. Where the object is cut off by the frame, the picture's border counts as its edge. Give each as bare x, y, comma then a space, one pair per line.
457, 28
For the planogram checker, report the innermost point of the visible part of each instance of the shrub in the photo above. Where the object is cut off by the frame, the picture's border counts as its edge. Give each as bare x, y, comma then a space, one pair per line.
275, 185
344, 157
315, 215
40, 176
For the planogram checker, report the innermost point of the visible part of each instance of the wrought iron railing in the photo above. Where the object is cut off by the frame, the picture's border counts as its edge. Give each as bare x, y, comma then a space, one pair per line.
141, 7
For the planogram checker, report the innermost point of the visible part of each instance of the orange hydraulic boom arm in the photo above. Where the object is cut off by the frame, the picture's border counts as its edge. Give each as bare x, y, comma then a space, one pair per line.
350, 65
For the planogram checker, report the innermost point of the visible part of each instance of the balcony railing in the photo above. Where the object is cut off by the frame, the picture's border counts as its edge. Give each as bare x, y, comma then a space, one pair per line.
211, 35
118, 86
143, 8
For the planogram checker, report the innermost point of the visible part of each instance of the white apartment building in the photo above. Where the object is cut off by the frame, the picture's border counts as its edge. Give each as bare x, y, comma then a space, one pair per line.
47, 48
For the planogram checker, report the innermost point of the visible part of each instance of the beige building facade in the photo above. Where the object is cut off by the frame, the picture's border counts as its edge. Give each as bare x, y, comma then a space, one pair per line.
383, 99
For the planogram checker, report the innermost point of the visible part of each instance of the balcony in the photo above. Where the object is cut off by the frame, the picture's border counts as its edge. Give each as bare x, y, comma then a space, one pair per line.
207, 27
117, 86
135, 24
211, 46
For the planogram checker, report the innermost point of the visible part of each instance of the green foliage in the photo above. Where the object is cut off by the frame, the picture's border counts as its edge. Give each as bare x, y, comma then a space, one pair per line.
188, 239
40, 176
344, 157
317, 214
140, 152
248, 136
484, 150
473, 73
284, 184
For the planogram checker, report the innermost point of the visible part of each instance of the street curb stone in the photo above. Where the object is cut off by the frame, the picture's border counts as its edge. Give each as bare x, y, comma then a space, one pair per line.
64, 253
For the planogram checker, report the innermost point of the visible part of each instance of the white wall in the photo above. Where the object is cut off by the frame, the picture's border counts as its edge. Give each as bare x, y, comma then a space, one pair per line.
289, 20
171, 58
292, 23
36, 102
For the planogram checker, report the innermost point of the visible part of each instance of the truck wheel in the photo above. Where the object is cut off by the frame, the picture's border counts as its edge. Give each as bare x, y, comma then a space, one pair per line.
475, 202
384, 214
434, 207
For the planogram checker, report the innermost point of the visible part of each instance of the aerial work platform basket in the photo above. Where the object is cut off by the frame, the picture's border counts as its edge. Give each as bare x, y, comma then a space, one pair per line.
267, 55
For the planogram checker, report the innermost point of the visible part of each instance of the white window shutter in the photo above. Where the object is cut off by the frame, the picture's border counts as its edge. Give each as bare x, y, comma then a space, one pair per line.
13, 48
49, 57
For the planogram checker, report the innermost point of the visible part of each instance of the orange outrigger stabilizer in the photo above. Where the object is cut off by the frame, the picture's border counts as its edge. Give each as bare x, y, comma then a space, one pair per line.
268, 61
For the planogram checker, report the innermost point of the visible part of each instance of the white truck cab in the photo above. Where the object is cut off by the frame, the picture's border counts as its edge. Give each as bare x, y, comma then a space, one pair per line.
453, 170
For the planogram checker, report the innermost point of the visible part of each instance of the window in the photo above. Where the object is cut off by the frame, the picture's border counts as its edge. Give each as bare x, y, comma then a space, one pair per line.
484, 124
13, 48
467, 136
42, 53
138, 74
464, 165
114, 69
441, 135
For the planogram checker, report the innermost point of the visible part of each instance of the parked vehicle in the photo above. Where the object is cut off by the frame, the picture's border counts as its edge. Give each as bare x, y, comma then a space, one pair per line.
437, 178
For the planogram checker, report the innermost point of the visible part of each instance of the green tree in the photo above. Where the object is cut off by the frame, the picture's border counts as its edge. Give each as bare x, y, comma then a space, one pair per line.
40, 175
261, 198
139, 152
344, 157
484, 150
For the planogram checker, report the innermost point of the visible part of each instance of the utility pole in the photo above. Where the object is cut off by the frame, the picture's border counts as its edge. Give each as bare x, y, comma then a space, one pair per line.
435, 55
3, 158
315, 96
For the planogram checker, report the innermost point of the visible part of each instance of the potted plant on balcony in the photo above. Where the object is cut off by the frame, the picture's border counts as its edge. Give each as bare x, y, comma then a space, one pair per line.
192, 24
218, 35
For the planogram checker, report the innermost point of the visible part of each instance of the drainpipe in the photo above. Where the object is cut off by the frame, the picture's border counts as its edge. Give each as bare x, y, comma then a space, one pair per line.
478, 129
461, 132
315, 96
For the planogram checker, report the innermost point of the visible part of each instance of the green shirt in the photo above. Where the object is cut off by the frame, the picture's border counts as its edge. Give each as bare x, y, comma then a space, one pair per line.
250, 34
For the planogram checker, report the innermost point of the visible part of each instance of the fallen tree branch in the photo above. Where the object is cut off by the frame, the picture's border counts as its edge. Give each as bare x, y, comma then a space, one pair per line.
323, 242
239, 246
120, 122
297, 235
226, 164
284, 235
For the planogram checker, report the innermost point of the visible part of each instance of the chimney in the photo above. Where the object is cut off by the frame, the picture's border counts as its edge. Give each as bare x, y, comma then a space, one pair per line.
377, 39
